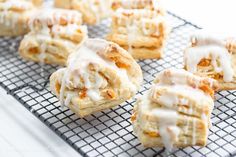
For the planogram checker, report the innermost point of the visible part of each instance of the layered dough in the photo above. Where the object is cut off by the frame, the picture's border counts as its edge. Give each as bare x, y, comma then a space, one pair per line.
14, 15
93, 11
140, 31
176, 111
138, 4
99, 75
213, 57
54, 34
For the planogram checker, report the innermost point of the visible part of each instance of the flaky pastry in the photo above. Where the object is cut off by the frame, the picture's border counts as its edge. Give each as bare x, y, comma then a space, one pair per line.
176, 111
14, 15
54, 34
138, 4
213, 57
99, 75
93, 11
140, 31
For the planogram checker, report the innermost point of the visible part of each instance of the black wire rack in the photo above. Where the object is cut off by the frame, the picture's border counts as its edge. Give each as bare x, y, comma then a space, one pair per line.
110, 133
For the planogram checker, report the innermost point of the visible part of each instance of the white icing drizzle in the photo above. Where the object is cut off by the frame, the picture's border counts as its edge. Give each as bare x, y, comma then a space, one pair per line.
168, 86
14, 16
156, 4
170, 98
69, 97
78, 63
69, 29
194, 132
9, 4
194, 55
168, 130
134, 4
99, 8
49, 16
200, 39
139, 18
52, 17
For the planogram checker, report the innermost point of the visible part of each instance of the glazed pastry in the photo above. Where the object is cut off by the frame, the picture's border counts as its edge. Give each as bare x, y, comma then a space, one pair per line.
98, 76
176, 111
213, 57
54, 34
140, 31
93, 11
36, 2
138, 4
14, 15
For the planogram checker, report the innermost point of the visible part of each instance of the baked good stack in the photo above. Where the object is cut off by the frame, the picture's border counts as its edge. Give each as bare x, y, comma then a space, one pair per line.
99, 75
14, 15
93, 11
54, 34
176, 111
212, 56
139, 26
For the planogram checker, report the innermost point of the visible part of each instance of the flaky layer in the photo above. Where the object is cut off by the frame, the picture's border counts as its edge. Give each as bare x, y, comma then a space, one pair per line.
214, 58
53, 48
149, 139
182, 129
93, 11
138, 4
145, 53
99, 75
141, 32
176, 111
10, 19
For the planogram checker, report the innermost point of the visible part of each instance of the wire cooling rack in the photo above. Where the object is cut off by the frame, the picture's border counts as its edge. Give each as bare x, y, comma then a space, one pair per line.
109, 133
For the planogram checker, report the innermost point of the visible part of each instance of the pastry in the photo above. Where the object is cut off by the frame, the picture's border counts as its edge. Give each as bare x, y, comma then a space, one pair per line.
54, 34
213, 57
36, 2
176, 111
138, 4
14, 15
99, 75
93, 11
140, 31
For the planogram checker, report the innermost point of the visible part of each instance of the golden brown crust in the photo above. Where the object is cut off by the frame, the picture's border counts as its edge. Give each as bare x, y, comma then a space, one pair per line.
113, 90
145, 38
175, 111
55, 33
37, 2
92, 10
205, 66
15, 13
138, 4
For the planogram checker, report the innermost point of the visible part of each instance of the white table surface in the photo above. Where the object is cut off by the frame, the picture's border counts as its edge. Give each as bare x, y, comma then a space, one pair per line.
23, 135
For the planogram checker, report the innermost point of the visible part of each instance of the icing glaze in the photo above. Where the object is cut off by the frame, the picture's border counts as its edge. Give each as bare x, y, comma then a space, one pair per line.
99, 8
170, 90
135, 4
169, 132
10, 17
194, 55
78, 69
49, 16
170, 99
200, 39
19, 4
137, 23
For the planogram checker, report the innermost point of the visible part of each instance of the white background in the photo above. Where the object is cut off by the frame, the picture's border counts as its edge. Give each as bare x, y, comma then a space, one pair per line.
22, 135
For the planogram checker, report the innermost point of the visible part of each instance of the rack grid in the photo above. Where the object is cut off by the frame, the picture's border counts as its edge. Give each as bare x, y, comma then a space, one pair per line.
109, 133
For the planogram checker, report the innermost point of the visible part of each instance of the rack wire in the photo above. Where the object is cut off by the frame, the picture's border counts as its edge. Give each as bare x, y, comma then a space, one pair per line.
109, 133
